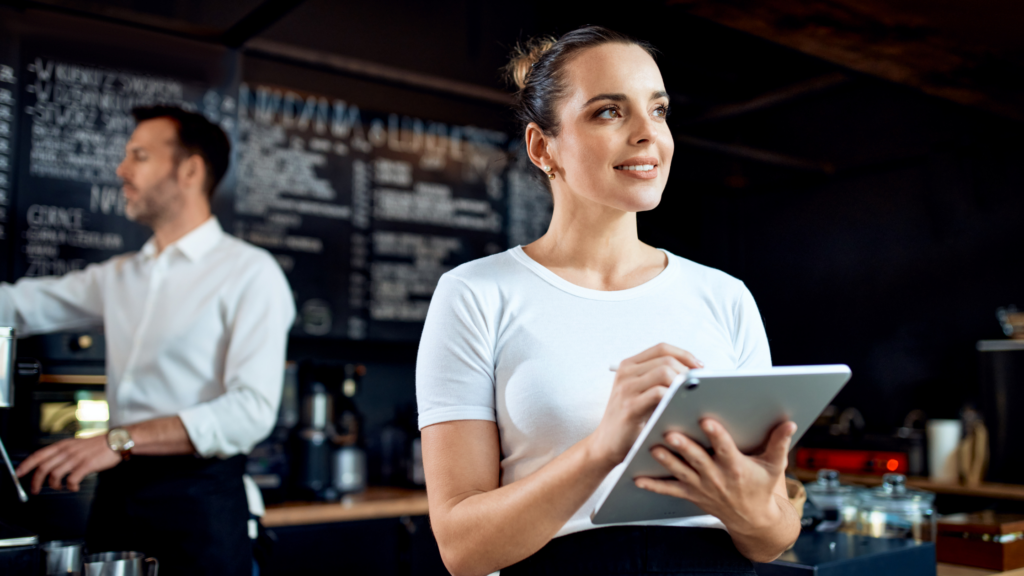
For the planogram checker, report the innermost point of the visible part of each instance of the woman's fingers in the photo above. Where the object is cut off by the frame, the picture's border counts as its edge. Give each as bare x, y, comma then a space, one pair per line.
661, 376
647, 400
777, 450
721, 440
676, 466
693, 453
659, 363
666, 487
663, 349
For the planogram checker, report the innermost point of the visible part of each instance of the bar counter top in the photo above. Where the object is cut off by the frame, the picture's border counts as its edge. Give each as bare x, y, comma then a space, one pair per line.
983, 490
373, 503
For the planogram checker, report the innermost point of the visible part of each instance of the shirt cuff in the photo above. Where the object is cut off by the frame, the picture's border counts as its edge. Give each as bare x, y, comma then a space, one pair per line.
450, 413
202, 428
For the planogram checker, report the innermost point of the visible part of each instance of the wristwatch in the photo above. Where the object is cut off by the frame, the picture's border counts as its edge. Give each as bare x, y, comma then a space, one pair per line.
120, 441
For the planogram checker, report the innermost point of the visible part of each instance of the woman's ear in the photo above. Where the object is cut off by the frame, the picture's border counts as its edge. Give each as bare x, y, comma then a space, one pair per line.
538, 146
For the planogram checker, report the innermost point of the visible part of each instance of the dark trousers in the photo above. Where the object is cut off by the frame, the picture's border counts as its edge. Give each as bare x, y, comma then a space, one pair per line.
189, 513
637, 550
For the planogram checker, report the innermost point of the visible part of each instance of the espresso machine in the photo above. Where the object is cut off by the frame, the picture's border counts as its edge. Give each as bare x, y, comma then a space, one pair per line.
8, 346
19, 553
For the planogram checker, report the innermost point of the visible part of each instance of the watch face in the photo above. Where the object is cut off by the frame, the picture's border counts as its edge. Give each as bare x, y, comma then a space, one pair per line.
118, 438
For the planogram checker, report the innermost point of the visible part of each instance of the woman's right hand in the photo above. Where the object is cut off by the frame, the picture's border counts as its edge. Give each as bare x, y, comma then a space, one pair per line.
640, 383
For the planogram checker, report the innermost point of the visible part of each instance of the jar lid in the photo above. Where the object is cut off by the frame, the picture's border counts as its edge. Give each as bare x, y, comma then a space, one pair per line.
828, 484
894, 492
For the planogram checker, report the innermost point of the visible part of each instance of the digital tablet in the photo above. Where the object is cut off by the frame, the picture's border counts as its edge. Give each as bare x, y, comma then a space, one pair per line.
749, 403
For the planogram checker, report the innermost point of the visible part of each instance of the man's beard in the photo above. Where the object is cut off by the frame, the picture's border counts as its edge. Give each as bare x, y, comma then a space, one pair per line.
155, 204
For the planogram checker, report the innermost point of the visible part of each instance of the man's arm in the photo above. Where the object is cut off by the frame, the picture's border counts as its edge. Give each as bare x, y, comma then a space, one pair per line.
39, 305
257, 334
224, 426
76, 458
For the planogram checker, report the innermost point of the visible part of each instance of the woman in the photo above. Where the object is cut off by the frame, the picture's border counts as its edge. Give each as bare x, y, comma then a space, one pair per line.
521, 419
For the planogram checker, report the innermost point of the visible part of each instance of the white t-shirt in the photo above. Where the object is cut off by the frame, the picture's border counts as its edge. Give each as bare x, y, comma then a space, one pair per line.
509, 341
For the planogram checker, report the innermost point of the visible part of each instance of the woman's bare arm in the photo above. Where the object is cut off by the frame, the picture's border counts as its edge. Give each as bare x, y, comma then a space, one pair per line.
480, 527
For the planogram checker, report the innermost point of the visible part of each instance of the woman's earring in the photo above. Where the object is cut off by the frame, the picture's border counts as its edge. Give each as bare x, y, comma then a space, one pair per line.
547, 170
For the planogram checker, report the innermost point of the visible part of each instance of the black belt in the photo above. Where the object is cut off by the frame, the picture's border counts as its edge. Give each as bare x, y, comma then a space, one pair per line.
637, 550
190, 513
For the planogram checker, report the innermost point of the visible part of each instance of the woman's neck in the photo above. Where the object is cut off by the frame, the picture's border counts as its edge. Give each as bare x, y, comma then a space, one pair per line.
596, 247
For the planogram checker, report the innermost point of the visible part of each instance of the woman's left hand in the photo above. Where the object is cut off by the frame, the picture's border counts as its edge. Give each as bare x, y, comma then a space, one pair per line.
740, 490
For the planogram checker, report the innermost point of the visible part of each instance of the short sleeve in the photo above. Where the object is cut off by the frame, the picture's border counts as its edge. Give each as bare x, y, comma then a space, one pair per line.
749, 337
455, 361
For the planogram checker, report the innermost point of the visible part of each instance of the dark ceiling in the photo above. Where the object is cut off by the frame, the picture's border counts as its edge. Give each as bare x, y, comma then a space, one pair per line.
971, 53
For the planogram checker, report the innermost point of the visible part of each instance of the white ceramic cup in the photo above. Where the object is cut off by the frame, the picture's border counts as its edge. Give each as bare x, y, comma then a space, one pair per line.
943, 438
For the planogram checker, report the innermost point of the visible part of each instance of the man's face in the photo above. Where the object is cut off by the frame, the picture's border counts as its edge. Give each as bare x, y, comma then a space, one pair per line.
149, 171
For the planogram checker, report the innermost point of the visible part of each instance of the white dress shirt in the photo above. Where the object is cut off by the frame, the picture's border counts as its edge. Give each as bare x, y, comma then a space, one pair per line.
198, 330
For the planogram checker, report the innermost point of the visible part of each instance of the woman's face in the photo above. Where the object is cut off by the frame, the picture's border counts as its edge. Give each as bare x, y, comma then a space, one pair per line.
614, 147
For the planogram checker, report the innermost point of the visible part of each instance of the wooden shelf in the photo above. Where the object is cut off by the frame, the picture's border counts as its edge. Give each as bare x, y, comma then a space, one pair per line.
72, 379
983, 490
372, 504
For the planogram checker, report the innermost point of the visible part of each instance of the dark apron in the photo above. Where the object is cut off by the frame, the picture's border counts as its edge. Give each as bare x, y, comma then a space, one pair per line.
637, 550
189, 513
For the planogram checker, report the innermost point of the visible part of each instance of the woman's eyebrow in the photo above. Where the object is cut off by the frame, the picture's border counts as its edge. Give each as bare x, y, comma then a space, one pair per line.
612, 97
621, 97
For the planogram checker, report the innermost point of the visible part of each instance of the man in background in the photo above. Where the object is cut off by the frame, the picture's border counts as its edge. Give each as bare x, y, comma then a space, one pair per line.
196, 327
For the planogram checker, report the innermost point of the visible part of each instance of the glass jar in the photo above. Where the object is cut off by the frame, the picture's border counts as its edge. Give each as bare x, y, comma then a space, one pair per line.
837, 503
894, 511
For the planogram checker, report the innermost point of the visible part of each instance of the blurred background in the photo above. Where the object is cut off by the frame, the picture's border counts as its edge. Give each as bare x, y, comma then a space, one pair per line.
859, 165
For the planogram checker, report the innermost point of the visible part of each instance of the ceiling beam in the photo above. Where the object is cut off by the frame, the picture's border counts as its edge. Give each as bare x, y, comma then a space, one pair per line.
770, 99
262, 17
869, 37
755, 154
374, 71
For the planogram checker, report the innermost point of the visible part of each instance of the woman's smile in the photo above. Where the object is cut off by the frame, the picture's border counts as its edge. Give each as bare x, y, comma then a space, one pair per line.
644, 168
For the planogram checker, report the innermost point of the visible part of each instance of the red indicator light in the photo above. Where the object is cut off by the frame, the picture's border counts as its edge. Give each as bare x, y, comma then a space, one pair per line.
892, 465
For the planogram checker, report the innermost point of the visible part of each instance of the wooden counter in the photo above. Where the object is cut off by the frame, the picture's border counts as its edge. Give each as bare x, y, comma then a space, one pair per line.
957, 570
373, 503
983, 490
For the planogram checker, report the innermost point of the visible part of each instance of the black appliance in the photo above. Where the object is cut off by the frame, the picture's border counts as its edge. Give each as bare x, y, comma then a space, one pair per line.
1002, 406
841, 554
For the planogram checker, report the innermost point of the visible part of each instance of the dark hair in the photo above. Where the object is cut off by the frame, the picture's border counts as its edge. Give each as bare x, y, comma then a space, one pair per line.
196, 135
537, 68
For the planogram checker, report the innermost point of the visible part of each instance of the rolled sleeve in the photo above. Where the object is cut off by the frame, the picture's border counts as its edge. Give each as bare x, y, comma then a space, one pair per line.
254, 369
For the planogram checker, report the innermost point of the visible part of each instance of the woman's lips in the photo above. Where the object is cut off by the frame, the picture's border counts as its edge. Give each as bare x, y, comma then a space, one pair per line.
640, 174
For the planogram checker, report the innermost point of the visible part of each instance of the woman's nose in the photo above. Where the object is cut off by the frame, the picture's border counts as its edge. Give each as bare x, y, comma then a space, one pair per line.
645, 131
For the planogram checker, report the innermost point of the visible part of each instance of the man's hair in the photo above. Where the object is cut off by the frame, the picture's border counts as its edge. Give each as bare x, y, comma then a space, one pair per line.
196, 135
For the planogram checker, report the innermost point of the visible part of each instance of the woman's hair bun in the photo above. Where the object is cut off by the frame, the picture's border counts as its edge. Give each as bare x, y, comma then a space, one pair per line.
524, 56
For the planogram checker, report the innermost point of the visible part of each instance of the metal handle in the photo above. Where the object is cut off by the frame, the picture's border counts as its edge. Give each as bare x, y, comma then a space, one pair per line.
14, 477
155, 567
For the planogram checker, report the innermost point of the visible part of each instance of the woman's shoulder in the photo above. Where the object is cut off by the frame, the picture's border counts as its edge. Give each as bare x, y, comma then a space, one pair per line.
484, 274
706, 277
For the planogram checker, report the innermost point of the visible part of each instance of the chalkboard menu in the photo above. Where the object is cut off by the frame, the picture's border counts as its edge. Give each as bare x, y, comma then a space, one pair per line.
365, 192
8, 117
76, 118
364, 209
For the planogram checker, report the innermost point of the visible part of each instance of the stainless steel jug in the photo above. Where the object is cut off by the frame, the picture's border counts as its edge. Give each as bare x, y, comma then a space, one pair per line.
63, 557
7, 347
120, 564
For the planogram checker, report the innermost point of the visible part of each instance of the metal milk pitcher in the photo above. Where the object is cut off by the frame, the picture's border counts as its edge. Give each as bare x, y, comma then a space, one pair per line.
120, 564
7, 348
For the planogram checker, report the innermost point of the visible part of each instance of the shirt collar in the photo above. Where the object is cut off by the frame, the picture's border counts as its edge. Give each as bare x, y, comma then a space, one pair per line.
193, 245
